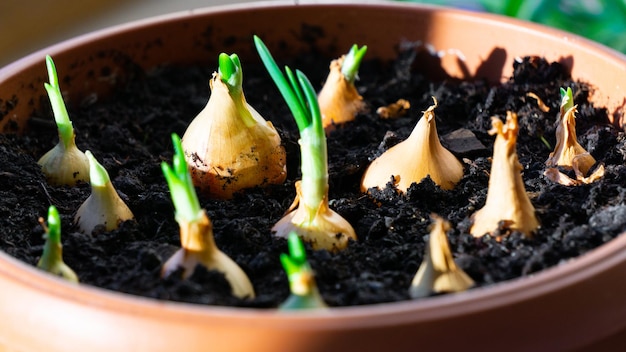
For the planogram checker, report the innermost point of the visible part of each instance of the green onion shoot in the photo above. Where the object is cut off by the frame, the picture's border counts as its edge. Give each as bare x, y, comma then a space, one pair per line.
309, 216
304, 292
229, 145
64, 164
196, 230
52, 258
339, 99
567, 100
103, 207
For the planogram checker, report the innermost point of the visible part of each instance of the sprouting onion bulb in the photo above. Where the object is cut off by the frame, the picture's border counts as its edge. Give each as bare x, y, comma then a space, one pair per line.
196, 231
64, 164
52, 258
568, 153
339, 99
304, 292
229, 146
507, 202
103, 207
411, 160
310, 217
438, 272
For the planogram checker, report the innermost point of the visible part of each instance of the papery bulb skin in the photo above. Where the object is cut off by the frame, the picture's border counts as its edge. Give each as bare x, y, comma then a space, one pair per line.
507, 200
438, 272
65, 165
229, 147
411, 160
568, 153
199, 248
338, 99
103, 207
318, 225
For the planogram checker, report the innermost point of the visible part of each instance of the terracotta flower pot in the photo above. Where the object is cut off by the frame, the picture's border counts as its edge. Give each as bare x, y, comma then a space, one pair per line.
580, 304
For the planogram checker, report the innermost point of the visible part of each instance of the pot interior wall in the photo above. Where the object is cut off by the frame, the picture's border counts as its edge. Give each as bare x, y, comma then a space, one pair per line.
462, 46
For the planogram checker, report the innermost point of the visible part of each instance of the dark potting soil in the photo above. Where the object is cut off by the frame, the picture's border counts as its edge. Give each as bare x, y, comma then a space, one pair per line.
130, 135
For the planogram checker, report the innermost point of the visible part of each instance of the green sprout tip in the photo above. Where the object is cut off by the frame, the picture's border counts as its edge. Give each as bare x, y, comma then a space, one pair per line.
303, 105
181, 186
61, 117
52, 258
295, 262
98, 175
230, 71
304, 293
352, 61
567, 100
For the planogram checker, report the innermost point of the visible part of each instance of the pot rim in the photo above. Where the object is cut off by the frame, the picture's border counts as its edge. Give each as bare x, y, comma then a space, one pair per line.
493, 296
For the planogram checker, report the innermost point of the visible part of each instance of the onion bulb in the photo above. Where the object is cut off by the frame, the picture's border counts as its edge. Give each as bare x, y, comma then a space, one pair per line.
103, 207
315, 223
568, 153
199, 248
196, 230
338, 99
309, 216
52, 258
411, 160
507, 202
64, 164
228, 145
438, 272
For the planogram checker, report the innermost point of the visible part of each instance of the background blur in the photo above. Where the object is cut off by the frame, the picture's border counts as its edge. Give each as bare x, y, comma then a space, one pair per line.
29, 25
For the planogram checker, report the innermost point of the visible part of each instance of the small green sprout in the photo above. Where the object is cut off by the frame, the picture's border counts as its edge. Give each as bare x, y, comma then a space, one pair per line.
249, 152
304, 292
545, 142
568, 153
352, 62
64, 164
196, 230
52, 258
103, 207
567, 100
312, 220
339, 100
